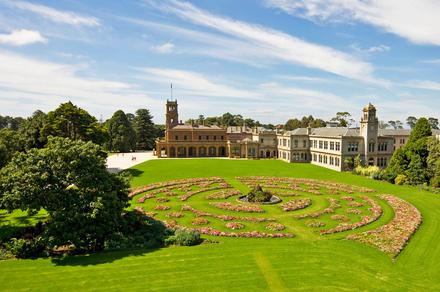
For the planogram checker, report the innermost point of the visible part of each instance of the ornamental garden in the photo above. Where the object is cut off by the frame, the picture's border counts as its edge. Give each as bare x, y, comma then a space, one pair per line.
214, 206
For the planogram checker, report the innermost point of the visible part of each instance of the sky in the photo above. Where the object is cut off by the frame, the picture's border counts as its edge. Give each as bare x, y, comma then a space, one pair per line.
270, 60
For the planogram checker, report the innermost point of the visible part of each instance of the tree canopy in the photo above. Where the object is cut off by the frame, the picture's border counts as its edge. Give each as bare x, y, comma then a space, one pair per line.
70, 121
122, 137
69, 180
144, 129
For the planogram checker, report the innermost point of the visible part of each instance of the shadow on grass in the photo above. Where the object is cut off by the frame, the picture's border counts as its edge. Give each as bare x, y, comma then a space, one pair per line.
105, 257
133, 172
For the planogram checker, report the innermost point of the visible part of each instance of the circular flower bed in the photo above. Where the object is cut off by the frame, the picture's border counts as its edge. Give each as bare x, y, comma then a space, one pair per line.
275, 227
234, 225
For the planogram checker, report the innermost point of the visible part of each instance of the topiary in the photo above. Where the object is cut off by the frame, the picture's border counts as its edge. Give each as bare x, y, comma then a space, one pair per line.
257, 194
184, 237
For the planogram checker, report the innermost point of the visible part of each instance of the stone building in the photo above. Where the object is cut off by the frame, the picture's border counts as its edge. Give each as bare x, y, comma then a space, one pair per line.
328, 147
190, 140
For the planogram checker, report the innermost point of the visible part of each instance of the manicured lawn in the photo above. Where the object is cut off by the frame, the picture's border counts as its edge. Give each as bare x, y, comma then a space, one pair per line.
308, 261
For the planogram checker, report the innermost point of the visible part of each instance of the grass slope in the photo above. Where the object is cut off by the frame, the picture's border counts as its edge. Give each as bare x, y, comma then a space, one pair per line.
306, 263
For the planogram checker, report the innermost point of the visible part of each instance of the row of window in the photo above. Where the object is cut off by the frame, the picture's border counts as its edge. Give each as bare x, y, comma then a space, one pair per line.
380, 147
286, 143
207, 138
318, 144
326, 159
295, 156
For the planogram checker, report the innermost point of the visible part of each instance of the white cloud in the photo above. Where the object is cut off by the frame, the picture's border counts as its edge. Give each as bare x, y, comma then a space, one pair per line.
432, 62
166, 48
55, 15
423, 84
274, 44
373, 49
22, 37
416, 21
194, 84
46, 84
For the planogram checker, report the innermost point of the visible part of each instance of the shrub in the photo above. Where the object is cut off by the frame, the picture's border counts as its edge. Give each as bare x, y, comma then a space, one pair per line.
370, 171
435, 182
400, 179
26, 248
258, 195
184, 237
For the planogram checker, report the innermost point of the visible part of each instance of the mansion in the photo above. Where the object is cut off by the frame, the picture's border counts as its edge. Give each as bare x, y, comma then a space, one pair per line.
327, 146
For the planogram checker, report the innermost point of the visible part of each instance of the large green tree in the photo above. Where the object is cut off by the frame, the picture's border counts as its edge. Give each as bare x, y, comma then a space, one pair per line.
69, 180
70, 121
31, 130
10, 143
144, 128
122, 137
411, 161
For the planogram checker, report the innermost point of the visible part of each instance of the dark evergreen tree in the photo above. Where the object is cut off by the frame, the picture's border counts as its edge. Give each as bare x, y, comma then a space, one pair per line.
122, 137
144, 128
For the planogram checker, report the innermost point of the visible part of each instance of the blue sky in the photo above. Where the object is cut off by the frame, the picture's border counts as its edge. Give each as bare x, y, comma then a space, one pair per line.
266, 59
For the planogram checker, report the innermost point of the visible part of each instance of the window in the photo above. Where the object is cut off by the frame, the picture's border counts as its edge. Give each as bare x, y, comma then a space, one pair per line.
304, 143
382, 161
338, 146
185, 137
222, 138
332, 160
332, 145
200, 137
207, 137
315, 144
402, 141
302, 156
325, 144
295, 142
215, 138
176, 138
371, 147
314, 157
320, 144
337, 161
320, 158
353, 146
325, 159
284, 142
262, 140
382, 146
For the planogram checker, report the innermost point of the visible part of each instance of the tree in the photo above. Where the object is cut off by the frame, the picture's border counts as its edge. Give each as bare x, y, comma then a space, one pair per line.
433, 161
411, 121
292, 124
383, 125
31, 130
10, 143
433, 122
201, 120
344, 119
70, 121
396, 124
421, 129
411, 160
144, 129
69, 180
122, 137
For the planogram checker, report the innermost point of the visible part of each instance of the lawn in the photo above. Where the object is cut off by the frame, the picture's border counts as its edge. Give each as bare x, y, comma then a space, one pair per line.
308, 261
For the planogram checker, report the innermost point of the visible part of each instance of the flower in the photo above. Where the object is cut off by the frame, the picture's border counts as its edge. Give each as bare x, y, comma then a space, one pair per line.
296, 204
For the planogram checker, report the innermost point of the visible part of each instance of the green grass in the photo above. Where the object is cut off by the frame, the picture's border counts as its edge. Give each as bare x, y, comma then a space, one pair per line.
303, 262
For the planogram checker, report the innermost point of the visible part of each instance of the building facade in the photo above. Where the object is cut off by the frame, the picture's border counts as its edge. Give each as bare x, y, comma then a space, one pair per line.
329, 147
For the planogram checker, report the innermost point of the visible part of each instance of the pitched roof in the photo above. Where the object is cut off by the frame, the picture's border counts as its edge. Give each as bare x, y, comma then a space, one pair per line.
335, 132
394, 132
196, 127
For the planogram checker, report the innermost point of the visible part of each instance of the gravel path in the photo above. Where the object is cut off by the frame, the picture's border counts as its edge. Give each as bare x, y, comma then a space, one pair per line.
120, 161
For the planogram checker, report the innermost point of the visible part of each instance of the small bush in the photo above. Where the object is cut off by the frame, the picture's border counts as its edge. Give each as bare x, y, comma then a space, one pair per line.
258, 195
184, 237
401, 179
435, 182
370, 171
26, 248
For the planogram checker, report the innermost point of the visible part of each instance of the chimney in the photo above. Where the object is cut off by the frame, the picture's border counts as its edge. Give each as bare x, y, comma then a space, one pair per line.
309, 130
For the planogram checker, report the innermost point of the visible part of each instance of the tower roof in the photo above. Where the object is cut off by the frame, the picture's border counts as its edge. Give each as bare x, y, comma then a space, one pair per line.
369, 107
